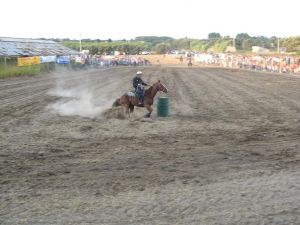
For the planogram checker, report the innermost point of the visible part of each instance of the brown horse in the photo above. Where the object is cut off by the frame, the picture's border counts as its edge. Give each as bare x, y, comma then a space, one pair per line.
129, 100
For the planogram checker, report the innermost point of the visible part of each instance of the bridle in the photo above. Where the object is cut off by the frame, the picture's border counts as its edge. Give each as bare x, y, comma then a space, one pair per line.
165, 88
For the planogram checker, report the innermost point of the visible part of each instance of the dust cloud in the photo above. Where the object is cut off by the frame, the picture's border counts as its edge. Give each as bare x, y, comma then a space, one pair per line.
78, 98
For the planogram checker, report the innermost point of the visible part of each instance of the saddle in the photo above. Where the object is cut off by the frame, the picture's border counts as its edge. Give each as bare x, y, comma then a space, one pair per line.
132, 94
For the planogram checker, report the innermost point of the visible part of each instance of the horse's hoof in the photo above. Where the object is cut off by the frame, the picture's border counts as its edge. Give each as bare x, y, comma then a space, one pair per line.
147, 116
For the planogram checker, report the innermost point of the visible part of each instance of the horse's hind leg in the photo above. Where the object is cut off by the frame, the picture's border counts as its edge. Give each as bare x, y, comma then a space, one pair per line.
126, 111
131, 108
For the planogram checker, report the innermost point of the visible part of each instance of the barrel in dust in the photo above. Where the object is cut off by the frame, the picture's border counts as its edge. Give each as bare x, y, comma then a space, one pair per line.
163, 107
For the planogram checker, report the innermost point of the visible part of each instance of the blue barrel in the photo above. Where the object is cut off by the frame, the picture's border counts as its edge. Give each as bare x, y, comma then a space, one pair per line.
162, 106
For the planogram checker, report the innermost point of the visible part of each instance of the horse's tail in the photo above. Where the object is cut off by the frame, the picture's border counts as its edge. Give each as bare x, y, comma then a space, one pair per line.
116, 103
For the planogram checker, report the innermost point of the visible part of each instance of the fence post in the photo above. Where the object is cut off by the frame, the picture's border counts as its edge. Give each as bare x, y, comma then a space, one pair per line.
5, 66
279, 64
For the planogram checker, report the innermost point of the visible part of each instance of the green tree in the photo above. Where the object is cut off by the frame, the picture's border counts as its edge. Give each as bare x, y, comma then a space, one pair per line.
292, 44
214, 35
247, 44
162, 48
153, 40
93, 49
221, 45
240, 38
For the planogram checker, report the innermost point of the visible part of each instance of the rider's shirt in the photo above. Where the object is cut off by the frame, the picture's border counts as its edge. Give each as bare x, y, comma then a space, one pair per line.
136, 81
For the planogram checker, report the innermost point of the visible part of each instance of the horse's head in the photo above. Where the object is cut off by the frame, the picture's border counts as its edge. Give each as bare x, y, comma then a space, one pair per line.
160, 87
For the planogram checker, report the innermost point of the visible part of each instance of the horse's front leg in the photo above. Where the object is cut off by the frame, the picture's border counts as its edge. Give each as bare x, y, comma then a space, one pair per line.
149, 108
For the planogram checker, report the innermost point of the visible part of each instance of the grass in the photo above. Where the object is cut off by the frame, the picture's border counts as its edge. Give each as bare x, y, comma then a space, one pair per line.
12, 71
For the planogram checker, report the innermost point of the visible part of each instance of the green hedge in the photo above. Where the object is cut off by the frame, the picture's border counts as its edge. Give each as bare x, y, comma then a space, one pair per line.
12, 69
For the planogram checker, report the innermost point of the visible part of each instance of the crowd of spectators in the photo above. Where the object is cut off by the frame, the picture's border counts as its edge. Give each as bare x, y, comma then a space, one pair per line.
279, 64
108, 61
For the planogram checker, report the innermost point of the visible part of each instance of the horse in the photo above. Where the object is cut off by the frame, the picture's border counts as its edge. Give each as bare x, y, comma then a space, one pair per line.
129, 100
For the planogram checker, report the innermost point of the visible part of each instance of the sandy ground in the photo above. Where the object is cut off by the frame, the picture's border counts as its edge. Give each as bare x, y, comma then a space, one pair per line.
228, 153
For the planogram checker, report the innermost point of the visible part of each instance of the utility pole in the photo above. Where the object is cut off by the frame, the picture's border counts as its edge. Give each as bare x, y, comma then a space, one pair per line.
5, 65
188, 43
278, 51
80, 48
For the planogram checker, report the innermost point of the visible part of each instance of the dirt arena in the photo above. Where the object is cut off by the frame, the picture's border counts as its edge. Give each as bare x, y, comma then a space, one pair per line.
228, 154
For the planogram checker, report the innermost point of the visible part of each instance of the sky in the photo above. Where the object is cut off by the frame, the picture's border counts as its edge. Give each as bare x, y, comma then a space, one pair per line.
127, 19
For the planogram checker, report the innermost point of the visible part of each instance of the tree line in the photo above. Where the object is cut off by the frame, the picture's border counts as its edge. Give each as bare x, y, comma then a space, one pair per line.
106, 47
243, 42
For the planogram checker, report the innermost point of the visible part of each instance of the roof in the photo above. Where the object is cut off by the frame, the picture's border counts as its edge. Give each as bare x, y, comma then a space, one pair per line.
32, 47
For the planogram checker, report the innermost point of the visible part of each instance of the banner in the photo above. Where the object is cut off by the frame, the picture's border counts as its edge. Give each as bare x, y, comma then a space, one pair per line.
27, 61
47, 59
63, 60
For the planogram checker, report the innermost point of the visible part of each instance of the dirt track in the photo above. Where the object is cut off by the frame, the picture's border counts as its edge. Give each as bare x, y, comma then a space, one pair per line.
228, 154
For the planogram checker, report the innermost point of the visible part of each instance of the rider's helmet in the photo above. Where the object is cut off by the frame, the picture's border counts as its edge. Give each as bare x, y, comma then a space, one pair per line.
139, 73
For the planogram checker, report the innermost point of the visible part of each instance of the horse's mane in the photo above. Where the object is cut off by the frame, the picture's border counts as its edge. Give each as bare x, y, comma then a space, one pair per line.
149, 90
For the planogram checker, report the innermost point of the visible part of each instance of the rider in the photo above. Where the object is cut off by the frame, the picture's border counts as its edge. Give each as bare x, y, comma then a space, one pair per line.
137, 84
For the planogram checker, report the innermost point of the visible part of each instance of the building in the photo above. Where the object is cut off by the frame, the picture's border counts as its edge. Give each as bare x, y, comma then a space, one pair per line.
20, 47
257, 49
